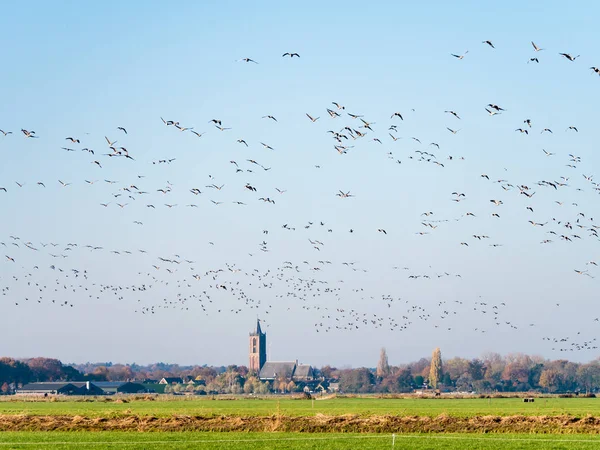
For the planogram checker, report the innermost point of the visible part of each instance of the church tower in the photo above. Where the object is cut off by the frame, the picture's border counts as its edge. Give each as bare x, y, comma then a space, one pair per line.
258, 349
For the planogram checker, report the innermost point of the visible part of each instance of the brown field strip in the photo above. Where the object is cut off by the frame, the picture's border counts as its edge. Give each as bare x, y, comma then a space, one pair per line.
313, 424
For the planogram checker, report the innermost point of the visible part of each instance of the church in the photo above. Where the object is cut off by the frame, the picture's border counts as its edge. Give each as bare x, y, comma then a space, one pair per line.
274, 370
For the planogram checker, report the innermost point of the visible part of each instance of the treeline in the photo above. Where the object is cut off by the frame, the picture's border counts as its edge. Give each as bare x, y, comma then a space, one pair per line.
490, 373
231, 379
15, 372
119, 372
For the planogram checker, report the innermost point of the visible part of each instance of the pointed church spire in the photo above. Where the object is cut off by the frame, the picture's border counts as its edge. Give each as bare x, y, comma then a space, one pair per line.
258, 330
258, 349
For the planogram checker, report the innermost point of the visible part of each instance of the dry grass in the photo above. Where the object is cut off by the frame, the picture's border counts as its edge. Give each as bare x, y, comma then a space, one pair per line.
314, 424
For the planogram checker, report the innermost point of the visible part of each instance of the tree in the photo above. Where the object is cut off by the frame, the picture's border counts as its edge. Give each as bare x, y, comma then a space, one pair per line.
559, 376
327, 372
46, 369
550, 380
482, 386
207, 374
232, 380
71, 374
421, 367
387, 384
453, 369
263, 388
464, 382
100, 373
494, 364
357, 380
257, 386
213, 386
446, 380
516, 373
49, 369
383, 367
435, 370
588, 375
419, 380
476, 369
404, 381
13, 371
534, 374
250, 385
221, 383
119, 372
280, 383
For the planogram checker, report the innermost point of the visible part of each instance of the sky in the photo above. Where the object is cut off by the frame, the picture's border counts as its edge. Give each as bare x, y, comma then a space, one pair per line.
164, 273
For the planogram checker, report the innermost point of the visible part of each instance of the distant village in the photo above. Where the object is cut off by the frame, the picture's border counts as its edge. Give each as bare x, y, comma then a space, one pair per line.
492, 373
261, 376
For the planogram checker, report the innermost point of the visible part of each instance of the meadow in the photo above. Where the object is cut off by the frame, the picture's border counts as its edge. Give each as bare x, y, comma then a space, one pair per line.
287, 406
286, 423
264, 441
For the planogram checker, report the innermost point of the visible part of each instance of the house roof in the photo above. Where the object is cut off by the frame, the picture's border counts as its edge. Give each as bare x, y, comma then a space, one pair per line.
303, 371
60, 385
45, 386
272, 369
173, 380
109, 384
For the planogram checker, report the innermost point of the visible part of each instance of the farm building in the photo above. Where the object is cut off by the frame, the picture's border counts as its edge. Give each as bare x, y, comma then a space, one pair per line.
171, 380
120, 387
60, 388
82, 388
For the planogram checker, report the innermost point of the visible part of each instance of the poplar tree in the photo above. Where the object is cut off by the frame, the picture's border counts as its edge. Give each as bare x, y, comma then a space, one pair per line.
435, 370
383, 368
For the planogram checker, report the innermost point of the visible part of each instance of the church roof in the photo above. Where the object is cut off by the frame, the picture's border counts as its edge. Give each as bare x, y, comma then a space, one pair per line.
303, 372
273, 369
258, 330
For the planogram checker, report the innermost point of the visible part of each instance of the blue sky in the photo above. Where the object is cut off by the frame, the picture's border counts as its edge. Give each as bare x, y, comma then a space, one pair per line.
75, 70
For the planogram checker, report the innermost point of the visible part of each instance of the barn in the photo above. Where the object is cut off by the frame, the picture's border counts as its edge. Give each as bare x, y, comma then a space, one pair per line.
60, 388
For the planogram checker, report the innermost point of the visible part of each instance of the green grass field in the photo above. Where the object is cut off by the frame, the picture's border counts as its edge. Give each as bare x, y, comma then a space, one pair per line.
285, 406
269, 407
255, 441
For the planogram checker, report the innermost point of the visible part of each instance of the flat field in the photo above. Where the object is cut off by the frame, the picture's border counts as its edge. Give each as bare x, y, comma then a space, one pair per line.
302, 441
285, 423
361, 406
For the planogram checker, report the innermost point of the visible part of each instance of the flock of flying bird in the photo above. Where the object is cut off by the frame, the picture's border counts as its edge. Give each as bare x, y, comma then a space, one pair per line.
56, 274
